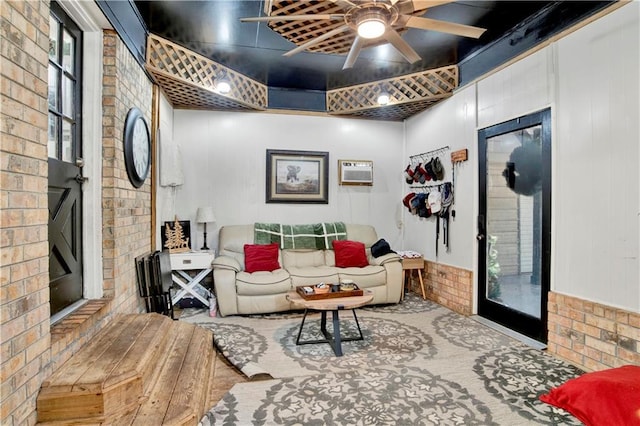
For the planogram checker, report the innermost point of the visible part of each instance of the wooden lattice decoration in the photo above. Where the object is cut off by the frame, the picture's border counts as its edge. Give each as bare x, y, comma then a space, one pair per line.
408, 94
188, 79
300, 32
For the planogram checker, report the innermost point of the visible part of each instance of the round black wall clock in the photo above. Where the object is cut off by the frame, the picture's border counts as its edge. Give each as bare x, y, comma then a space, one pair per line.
137, 147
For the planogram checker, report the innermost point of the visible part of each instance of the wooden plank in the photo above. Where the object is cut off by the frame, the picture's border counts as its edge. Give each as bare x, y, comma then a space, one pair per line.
94, 377
71, 405
190, 391
143, 353
65, 377
153, 411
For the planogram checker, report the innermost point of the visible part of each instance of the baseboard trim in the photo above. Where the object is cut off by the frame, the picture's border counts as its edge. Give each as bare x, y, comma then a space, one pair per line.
504, 330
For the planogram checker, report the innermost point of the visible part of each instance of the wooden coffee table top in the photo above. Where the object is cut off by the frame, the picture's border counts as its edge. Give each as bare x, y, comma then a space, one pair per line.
350, 302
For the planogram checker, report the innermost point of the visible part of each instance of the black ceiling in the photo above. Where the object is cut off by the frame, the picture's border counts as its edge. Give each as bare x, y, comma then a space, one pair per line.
213, 29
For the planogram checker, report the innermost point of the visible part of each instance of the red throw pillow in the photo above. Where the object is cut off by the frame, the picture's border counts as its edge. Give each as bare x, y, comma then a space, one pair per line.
261, 257
609, 397
349, 253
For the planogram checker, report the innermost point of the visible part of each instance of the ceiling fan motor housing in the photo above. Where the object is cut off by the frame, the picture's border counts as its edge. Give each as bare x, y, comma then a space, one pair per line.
379, 12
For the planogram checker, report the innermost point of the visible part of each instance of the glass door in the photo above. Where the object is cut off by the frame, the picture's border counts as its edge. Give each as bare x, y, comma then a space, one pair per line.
514, 223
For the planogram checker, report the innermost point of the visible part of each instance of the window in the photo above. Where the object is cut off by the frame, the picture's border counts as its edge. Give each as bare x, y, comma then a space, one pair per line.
65, 46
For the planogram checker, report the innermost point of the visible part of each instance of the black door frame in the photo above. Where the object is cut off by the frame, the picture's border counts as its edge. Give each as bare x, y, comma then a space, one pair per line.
528, 325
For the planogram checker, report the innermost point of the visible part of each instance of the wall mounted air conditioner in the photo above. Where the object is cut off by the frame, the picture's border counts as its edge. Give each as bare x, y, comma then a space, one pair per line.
355, 172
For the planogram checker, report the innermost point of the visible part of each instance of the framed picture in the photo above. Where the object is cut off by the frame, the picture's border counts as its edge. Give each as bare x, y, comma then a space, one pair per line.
355, 172
176, 236
297, 177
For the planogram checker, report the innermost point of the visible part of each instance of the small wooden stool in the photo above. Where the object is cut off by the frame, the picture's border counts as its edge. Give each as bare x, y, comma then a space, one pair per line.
413, 264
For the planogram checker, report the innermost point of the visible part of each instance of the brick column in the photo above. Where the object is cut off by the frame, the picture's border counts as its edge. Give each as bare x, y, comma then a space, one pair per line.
24, 247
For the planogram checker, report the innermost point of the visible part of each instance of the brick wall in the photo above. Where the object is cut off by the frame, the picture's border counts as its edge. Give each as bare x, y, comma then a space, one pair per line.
126, 210
30, 348
592, 335
449, 286
24, 247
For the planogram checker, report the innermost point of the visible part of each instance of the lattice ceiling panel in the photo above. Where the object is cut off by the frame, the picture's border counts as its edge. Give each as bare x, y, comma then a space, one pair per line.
408, 94
187, 96
396, 112
189, 79
300, 32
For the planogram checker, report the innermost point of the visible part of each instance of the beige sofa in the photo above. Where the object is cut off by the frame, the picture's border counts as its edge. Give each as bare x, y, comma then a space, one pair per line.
239, 292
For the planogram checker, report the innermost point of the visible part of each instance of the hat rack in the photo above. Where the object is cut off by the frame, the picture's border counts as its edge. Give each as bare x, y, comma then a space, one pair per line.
424, 156
425, 188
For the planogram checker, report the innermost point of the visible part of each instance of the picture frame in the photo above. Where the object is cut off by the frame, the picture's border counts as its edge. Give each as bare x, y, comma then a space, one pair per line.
297, 176
355, 172
182, 239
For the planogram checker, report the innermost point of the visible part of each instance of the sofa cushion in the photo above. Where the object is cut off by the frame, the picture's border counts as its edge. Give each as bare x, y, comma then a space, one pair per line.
350, 254
313, 275
369, 276
302, 258
262, 282
261, 257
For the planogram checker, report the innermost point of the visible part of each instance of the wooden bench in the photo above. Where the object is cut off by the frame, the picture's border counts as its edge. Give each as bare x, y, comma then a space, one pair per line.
141, 369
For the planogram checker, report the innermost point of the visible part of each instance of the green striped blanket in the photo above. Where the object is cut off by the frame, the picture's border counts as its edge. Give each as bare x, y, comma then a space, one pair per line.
311, 236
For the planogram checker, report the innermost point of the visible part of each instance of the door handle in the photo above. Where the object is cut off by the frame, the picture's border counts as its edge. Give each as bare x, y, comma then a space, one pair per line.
80, 162
81, 179
480, 236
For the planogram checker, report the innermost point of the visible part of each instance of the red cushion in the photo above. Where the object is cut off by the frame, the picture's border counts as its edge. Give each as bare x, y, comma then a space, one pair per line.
261, 257
349, 253
609, 397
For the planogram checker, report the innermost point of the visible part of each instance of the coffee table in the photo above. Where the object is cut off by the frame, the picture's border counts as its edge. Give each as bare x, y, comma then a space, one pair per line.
334, 305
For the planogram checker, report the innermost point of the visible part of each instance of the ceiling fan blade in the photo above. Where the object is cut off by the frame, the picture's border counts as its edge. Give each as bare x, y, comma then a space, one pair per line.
410, 6
402, 46
326, 17
441, 26
353, 53
345, 4
316, 40
426, 4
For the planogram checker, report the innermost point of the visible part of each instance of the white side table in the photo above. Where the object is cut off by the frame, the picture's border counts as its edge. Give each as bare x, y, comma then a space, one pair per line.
196, 260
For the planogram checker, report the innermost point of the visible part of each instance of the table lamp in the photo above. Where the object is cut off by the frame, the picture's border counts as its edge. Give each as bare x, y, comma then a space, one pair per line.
205, 215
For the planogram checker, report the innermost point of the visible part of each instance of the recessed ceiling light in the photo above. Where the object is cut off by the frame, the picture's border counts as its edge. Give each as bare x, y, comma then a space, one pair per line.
383, 98
223, 86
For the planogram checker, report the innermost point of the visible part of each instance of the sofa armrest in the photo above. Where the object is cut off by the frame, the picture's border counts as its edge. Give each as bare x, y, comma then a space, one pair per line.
389, 257
226, 262
224, 283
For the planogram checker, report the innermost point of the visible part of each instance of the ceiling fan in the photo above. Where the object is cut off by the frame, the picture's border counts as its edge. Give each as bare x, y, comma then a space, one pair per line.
375, 22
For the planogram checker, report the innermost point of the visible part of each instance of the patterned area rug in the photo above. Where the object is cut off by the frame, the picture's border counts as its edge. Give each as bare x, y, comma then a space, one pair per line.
419, 364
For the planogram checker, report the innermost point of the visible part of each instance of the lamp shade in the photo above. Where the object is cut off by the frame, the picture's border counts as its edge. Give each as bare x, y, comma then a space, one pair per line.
205, 215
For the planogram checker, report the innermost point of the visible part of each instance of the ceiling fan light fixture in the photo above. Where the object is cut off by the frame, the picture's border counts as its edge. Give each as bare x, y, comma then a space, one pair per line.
371, 24
371, 28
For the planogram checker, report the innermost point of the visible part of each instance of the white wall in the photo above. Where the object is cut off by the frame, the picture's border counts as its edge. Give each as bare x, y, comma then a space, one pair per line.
590, 79
597, 158
450, 123
224, 154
